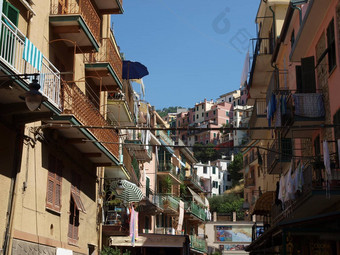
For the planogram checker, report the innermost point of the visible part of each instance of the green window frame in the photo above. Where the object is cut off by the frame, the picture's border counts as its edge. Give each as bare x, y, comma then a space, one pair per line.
11, 12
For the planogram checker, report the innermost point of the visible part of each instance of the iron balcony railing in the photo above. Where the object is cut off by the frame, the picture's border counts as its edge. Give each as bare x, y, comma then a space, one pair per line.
166, 201
11, 53
198, 243
108, 53
77, 103
260, 46
280, 151
79, 7
196, 210
313, 181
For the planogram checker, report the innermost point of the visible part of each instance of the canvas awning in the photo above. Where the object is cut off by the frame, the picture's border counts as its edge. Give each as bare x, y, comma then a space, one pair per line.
150, 240
196, 196
264, 204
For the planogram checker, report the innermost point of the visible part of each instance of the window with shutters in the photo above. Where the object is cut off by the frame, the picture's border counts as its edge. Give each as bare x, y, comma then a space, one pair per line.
331, 46
73, 225
305, 76
11, 13
76, 206
54, 181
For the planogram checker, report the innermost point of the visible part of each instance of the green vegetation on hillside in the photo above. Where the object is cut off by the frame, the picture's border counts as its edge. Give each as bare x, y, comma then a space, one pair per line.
171, 109
205, 152
227, 203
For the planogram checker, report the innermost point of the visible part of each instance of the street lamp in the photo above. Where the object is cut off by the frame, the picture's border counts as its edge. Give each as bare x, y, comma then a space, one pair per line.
33, 98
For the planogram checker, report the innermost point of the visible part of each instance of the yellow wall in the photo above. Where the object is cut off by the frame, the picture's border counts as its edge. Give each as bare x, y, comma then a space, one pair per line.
32, 219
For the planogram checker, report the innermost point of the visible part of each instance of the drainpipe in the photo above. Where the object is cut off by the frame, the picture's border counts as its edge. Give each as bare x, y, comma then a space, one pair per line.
11, 201
300, 12
274, 25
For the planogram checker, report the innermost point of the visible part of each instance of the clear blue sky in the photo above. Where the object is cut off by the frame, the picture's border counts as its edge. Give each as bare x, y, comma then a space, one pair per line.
193, 49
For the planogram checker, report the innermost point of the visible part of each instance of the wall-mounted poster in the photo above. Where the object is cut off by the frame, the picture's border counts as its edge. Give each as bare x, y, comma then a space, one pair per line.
234, 247
239, 234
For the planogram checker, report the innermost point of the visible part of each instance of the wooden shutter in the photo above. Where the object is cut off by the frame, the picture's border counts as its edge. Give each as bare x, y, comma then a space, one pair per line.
331, 46
308, 75
54, 181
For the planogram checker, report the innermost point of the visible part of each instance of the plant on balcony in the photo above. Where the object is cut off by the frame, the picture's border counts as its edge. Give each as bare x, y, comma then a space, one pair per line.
167, 184
166, 203
183, 190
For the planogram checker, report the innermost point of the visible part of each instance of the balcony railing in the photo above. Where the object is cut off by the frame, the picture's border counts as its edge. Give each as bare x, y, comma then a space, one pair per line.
308, 105
80, 7
196, 210
280, 151
166, 201
193, 178
198, 243
170, 168
11, 53
262, 46
314, 181
249, 182
107, 54
75, 102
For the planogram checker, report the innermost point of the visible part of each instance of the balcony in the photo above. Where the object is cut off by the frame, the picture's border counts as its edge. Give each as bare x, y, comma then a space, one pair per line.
76, 21
194, 212
105, 65
249, 182
119, 111
123, 170
259, 119
169, 203
109, 6
150, 205
198, 244
279, 155
308, 109
261, 68
116, 220
12, 62
99, 145
315, 198
168, 169
136, 145
192, 181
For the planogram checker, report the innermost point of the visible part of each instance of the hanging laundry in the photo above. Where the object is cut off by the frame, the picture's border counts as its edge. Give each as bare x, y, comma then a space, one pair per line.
290, 189
278, 122
282, 190
32, 55
309, 105
327, 161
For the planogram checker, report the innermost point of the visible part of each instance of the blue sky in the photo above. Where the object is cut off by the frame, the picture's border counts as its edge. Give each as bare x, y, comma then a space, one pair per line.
193, 49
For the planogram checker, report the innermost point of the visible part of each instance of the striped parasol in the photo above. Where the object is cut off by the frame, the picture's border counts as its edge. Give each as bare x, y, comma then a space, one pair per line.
131, 192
